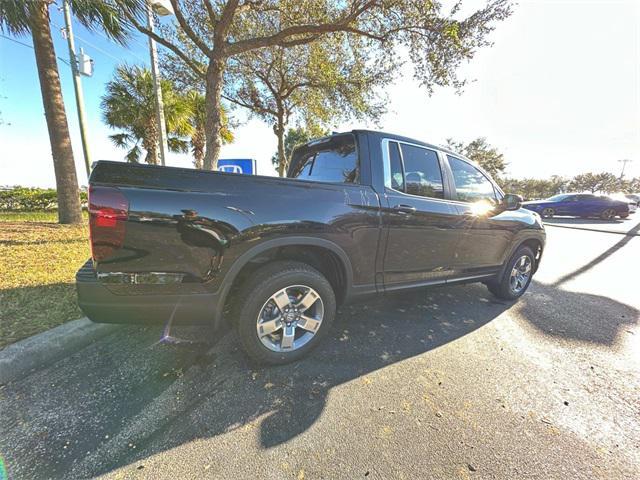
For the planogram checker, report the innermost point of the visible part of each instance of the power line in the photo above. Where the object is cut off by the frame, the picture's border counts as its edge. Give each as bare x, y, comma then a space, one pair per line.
31, 47
78, 37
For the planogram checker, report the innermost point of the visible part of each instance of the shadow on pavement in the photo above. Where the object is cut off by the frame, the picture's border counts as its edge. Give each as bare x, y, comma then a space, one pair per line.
127, 398
600, 258
576, 316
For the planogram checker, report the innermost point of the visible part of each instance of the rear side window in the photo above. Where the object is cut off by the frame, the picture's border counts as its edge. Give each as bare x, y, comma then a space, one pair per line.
414, 170
397, 175
333, 161
471, 184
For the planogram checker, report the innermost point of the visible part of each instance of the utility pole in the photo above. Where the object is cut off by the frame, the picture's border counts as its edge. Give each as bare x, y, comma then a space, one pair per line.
155, 72
77, 86
624, 164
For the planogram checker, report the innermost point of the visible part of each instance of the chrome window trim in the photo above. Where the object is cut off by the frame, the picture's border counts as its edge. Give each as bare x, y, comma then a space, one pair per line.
386, 167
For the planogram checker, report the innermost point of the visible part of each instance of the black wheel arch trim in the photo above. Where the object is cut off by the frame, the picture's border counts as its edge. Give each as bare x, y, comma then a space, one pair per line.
288, 241
519, 243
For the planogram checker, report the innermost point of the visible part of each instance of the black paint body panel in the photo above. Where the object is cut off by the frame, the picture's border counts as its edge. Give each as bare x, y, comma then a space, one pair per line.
205, 226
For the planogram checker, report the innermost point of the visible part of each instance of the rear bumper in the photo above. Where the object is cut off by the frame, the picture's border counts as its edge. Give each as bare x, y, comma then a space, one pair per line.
103, 306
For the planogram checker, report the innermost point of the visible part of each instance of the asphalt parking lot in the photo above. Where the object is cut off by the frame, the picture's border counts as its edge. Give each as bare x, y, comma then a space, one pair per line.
441, 383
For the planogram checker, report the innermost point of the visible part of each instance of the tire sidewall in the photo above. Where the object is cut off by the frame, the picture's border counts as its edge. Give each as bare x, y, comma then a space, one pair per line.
505, 286
258, 293
604, 215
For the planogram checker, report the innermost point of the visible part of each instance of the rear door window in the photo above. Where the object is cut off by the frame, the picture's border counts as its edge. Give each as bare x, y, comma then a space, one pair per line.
414, 170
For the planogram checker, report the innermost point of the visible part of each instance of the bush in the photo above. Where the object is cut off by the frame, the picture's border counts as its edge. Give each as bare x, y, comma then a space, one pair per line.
29, 199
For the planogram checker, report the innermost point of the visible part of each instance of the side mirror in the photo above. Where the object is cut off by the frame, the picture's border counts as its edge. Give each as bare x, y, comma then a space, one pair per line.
511, 201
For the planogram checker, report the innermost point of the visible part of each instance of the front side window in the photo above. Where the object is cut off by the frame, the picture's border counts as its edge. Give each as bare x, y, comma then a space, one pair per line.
414, 170
471, 184
333, 161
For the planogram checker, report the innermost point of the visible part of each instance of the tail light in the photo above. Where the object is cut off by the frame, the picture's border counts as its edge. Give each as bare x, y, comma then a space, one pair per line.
108, 213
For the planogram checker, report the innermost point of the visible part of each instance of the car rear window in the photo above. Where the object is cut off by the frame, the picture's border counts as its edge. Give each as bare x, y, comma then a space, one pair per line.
333, 160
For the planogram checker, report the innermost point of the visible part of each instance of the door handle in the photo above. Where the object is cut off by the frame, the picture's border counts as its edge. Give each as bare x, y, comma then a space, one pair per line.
405, 208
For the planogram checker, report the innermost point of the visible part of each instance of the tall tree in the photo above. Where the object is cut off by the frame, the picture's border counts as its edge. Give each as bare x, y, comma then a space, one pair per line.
129, 105
197, 118
594, 182
437, 42
23, 17
318, 85
482, 153
294, 137
534, 188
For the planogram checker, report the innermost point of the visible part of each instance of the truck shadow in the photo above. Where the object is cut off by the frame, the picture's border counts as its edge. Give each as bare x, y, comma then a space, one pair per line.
127, 398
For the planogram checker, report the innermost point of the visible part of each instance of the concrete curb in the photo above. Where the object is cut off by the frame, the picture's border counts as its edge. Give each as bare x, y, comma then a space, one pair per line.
22, 357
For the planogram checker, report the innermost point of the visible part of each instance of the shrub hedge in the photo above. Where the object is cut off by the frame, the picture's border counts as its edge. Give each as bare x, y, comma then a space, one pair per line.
29, 199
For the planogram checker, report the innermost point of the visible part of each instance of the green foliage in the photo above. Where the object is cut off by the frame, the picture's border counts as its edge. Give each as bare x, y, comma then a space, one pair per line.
595, 182
297, 136
15, 15
129, 105
197, 117
482, 153
537, 188
534, 188
212, 39
31, 199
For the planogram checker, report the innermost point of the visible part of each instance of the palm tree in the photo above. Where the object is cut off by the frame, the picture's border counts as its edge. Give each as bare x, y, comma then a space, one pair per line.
129, 105
21, 17
197, 117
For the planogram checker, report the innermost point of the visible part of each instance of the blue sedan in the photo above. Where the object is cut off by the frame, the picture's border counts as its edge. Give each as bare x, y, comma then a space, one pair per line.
579, 205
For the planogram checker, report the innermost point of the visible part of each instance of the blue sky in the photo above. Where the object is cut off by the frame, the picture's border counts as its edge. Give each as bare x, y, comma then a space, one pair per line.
558, 93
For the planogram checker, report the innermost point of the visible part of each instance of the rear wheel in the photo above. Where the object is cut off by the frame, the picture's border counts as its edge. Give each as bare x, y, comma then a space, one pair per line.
548, 212
516, 277
283, 312
608, 214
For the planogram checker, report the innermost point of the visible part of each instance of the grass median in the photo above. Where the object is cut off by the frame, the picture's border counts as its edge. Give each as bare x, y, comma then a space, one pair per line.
38, 262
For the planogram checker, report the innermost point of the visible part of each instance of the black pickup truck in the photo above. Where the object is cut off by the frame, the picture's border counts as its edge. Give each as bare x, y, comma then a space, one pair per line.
360, 213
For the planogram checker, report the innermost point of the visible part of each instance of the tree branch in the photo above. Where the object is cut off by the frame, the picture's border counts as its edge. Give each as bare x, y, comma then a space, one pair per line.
188, 30
312, 32
212, 14
162, 41
222, 26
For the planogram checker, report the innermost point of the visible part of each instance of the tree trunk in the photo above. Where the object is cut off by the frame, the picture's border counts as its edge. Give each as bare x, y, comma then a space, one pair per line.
213, 123
198, 144
282, 155
150, 142
69, 210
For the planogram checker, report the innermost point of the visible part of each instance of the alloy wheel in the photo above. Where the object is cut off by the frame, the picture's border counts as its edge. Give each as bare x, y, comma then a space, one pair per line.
520, 273
548, 213
608, 214
290, 318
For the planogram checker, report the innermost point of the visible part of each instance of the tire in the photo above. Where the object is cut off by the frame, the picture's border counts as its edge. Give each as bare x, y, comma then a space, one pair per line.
548, 212
258, 307
503, 287
623, 215
608, 214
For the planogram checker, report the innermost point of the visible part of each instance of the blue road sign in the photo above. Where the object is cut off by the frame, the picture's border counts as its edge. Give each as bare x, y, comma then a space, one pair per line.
246, 166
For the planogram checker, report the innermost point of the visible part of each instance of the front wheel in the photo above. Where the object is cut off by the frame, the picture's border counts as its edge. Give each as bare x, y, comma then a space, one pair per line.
284, 311
548, 212
516, 277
